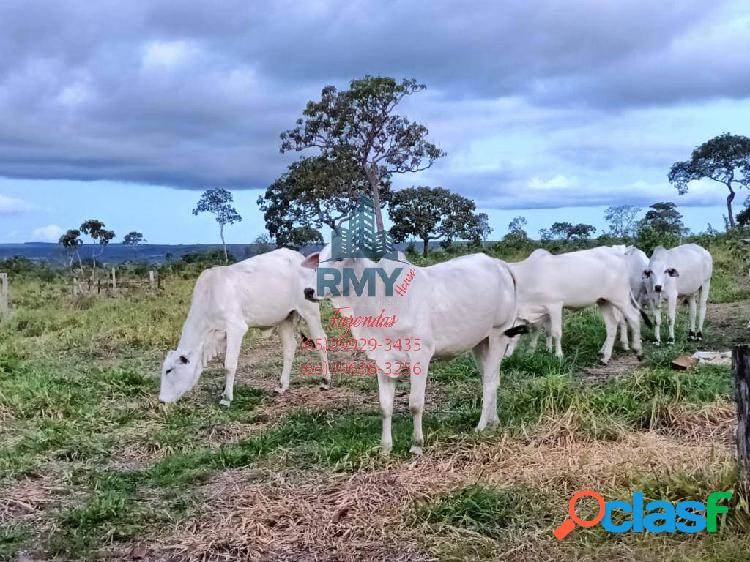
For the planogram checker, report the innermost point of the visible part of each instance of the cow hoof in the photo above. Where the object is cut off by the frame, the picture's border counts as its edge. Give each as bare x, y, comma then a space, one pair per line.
657, 343
699, 337
325, 386
416, 450
279, 390
385, 452
691, 335
224, 402
639, 356
626, 348
603, 362
670, 341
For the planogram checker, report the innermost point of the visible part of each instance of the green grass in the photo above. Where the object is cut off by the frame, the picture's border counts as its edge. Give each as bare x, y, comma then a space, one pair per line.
486, 510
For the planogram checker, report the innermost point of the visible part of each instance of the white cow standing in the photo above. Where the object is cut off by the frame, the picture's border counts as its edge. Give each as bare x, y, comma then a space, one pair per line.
467, 303
682, 272
264, 291
548, 283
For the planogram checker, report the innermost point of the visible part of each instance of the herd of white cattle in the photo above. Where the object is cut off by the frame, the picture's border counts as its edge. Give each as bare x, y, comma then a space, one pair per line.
471, 303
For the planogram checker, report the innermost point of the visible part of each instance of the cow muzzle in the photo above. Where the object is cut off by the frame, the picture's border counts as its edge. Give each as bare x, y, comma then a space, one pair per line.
657, 288
310, 294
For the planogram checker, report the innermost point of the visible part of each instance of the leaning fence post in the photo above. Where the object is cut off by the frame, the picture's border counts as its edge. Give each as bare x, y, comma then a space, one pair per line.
151, 279
741, 368
3, 294
114, 280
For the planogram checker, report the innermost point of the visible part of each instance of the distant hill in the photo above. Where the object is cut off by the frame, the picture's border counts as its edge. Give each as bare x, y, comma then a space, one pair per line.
117, 253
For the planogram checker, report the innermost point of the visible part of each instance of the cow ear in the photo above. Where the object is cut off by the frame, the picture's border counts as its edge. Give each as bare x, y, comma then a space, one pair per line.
312, 261
183, 359
673, 272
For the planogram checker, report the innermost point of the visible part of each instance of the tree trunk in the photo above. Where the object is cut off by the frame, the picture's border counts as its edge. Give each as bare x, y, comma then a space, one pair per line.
425, 245
375, 188
730, 198
223, 243
741, 367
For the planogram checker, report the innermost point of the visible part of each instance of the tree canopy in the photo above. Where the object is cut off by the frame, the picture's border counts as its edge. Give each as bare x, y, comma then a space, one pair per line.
360, 124
568, 232
314, 192
133, 238
661, 226
433, 213
622, 220
724, 159
98, 232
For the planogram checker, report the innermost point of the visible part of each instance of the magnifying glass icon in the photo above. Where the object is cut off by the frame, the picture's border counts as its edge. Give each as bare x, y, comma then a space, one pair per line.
569, 524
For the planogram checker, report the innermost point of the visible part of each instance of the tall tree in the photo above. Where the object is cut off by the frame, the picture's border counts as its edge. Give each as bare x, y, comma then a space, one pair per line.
433, 213
218, 202
661, 226
724, 159
71, 241
360, 124
314, 192
97, 231
517, 231
622, 220
483, 226
663, 218
133, 239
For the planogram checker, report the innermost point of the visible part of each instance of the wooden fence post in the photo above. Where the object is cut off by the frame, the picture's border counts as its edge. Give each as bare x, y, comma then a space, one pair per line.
151, 279
3, 294
114, 280
741, 368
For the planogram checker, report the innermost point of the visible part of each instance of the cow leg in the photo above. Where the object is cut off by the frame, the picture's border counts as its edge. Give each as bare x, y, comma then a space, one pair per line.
491, 351
633, 318
311, 316
418, 382
610, 323
235, 334
702, 308
622, 328
693, 303
534, 337
386, 392
671, 315
656, 311
288, 346
555, 328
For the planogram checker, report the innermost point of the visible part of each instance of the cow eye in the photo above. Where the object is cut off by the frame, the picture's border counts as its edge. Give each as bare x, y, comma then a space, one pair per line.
168, 371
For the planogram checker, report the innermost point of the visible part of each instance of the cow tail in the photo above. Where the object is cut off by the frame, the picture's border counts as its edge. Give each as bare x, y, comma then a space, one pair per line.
642, 312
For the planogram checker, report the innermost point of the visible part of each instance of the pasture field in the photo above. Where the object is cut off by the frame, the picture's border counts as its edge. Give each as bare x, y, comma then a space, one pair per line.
93, 467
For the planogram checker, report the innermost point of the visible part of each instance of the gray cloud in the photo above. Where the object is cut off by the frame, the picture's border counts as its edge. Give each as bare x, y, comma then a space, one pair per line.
196, 95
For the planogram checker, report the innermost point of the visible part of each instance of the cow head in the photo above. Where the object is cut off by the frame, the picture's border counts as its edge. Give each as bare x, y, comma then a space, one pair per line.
310, 266
179, 373
658, 274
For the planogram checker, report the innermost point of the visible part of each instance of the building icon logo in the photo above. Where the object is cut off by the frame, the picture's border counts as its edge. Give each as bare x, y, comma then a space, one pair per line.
361, 239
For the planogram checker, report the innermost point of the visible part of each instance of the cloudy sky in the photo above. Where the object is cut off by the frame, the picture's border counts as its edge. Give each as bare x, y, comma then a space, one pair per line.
554, 109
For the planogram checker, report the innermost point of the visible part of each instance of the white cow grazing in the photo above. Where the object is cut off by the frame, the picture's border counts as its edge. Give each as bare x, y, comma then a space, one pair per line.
549, 283
463, 304
682, 272
261, 292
